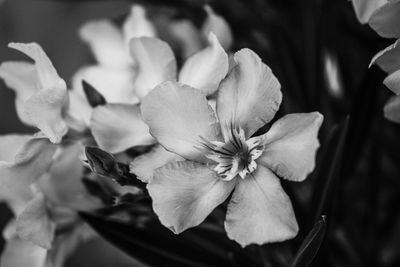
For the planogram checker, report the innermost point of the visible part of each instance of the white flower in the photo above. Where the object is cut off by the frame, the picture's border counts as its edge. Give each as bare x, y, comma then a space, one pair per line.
41, 93
217, 153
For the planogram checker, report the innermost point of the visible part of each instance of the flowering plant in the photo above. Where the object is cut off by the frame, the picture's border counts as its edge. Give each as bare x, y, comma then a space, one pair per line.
210, 133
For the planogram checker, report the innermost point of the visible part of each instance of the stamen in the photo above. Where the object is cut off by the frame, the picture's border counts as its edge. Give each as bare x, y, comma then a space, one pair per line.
236, 156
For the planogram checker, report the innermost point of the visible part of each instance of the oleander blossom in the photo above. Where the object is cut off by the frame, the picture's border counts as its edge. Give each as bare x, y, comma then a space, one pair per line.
381, 15
217, 153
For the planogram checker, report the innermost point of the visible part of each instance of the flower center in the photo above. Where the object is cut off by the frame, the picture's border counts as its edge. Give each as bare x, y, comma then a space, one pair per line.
235, 156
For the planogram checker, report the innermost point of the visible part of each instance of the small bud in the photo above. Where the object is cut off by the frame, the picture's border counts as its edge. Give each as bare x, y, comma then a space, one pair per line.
93, 96
100, 161
103, 163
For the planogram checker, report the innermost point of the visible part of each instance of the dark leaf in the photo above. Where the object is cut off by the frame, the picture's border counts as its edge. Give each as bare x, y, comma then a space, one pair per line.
156, 245
311, 244
93, 96
329, 170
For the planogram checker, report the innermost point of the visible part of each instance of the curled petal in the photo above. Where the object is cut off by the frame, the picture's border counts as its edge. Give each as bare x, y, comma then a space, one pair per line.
216, 24
291, 145
184, 193
34, 224
145, 165
107, 43
250, 95
260, 211
392, 109
365, 8
179, 117
46, 72
137, 25
116, 85
22, 78
117, 127
156, 63
389, 58
206, 69
43, 109
32, 161
386, 20
21, 253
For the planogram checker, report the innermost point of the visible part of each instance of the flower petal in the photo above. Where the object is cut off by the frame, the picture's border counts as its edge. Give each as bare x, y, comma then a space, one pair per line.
34, 224
260, 211
156, 63
250, 95
178, 117
206, 69
392, 82
32, 161
145, 165
216, 24
10, 145
386, 20
22, 253
46, 72
392, 109
389, 58
365, 8
117, 127
79, 111
22, 78
184, 193
107, 43
137, 25
291, 145
44, 108
62, 184
116, 85
66, 243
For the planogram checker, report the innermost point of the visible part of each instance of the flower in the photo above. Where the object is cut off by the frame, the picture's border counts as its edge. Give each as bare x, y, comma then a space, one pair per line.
39, 180
41, 94
389, 60
118, 127
219, 154
41, 183
381, 15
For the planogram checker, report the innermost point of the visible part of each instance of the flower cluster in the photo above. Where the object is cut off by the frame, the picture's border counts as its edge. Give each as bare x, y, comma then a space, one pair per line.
201, 121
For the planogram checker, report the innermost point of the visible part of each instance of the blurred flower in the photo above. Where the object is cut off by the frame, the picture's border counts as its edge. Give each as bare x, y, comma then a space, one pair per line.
381, 15
389, 60
218, 153
41, 183
40, 93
